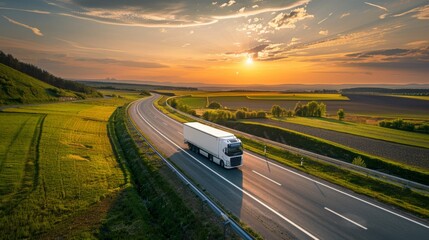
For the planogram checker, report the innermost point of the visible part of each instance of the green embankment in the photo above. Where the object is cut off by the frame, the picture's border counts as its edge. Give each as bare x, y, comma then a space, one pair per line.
17, 87
365, 130
331, 149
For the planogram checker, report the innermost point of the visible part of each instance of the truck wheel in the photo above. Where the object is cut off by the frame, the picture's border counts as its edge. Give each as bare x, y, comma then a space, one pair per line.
211, 158
222, 164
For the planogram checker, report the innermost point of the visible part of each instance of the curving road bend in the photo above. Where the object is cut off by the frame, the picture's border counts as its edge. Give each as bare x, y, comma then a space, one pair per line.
277, 202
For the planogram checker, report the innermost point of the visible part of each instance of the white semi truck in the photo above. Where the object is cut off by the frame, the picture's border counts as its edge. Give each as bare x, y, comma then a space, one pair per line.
218, 146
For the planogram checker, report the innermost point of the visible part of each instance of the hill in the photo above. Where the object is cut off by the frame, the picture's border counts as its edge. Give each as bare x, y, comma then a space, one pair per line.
17, 87
81, 90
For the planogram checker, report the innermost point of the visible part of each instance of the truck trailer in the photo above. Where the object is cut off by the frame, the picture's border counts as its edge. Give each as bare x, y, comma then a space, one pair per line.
218, 146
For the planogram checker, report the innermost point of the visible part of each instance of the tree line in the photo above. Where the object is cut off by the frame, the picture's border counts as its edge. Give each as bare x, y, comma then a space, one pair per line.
311, 109
45, 76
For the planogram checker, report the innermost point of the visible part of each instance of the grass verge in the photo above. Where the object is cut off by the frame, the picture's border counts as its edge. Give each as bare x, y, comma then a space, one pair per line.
169, 215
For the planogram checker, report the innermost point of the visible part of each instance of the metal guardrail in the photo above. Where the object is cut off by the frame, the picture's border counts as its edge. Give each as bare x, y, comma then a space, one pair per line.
368, 172
227, 221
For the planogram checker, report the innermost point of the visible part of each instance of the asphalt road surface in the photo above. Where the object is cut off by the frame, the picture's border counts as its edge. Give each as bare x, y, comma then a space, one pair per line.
275, 201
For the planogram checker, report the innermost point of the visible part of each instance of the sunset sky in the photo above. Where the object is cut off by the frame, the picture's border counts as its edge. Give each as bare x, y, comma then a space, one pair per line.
222, 41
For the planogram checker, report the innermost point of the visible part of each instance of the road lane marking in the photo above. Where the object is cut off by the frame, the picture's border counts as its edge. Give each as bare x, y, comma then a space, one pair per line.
228, 181
339, 191
341, 216
180, 133
329, 187
267, 178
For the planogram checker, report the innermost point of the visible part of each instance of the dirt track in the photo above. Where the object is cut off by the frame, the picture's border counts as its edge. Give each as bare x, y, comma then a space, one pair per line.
406, 154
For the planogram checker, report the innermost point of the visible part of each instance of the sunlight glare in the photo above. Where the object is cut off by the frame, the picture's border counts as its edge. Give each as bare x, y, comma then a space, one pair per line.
249, 60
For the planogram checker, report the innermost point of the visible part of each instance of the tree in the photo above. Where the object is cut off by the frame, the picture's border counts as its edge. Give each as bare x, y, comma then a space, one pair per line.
341, 114
276, 110
215, 105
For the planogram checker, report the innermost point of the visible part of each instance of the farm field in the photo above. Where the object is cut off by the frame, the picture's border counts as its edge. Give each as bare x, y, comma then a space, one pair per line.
364, 130
426, 98
64, 170
375, 106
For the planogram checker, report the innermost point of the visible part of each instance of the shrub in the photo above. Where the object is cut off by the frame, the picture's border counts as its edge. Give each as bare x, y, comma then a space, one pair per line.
341, 114
261, 114
215, 105
358, 161
276, 111
240, 114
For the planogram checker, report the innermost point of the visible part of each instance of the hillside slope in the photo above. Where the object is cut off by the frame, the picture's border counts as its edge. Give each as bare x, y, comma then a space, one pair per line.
17, 87
80, 89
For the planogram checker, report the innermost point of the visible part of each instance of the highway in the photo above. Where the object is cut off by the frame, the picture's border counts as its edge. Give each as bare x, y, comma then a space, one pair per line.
276, 201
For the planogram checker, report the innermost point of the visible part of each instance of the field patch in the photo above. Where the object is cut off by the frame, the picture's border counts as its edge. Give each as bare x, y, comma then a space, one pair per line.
76, 165
16, 157
364, 130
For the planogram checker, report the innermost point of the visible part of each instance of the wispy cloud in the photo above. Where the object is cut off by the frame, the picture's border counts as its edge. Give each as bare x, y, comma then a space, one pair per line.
397, 58
80, 46
324, 32
344, 15
33, 29
377, 6
321, 21
126, 63
228, 4
26, 10
284, 20
421, 13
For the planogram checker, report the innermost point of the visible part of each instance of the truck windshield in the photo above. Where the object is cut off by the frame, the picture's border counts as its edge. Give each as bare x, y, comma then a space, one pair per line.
234, 149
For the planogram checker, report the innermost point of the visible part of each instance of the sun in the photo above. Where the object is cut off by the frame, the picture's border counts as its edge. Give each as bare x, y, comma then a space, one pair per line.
249, 60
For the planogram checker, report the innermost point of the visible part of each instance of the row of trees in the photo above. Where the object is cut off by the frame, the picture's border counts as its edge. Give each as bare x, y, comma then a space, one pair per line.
404, 125
311, 109
44, 76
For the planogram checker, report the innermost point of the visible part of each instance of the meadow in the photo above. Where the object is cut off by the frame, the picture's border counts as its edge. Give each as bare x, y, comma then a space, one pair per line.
64, 161
73, 167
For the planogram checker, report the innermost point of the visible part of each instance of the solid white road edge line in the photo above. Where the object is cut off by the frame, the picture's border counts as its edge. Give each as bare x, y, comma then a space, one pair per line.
327, 186
341, 216
226, 180
269, 179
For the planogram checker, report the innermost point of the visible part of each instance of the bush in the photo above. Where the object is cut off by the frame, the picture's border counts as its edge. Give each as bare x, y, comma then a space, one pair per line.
261, 114
358, 161
341, 114
403, 125
240, 114
276, 111
424, 128
218, 116
215, 105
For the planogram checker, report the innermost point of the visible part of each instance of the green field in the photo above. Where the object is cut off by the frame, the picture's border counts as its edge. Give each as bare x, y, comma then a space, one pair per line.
16, 154
71, 170
54, 169
365, 130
